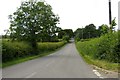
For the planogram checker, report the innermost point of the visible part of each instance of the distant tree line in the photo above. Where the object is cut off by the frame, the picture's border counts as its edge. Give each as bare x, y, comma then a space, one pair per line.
90, 31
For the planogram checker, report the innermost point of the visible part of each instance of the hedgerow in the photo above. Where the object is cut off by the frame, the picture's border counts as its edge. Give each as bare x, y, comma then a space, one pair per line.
103, 48
49, 46
13, 50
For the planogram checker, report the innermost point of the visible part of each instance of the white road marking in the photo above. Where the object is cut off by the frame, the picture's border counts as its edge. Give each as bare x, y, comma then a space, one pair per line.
29, 76
98, 74
101, 77
94, 70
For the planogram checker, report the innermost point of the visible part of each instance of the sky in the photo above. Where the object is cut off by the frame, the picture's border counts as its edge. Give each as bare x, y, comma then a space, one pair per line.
73, 13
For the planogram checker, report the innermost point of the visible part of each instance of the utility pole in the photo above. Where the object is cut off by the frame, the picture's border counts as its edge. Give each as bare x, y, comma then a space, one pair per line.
110, 15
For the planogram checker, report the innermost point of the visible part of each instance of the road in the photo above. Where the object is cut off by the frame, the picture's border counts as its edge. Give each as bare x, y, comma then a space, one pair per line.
64, 63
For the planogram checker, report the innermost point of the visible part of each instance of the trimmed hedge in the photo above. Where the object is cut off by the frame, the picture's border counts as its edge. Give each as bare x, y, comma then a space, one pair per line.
49, 46
13, 50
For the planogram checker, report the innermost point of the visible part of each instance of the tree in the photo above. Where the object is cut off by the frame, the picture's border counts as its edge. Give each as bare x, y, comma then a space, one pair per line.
78, 33
90, 31
113, 23
61, 34
103, 29
33, 20
65, 32
69, 32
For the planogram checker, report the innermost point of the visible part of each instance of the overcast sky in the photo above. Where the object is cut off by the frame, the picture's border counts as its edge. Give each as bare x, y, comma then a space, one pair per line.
73, 13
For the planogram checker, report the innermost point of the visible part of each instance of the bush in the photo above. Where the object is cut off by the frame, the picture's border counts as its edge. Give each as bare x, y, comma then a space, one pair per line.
49, 46
14, 50
106, 47
77, 39
11, 50
103, 48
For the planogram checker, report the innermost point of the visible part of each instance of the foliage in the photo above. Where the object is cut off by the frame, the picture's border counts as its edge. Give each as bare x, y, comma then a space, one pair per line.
103, 48
11, 50
113, 24
69, 32
89, 31
78, 34
65, 32
49, 46
33, 21
103, 29
77, 39
14, 50
61, 34
66, 38
106, 47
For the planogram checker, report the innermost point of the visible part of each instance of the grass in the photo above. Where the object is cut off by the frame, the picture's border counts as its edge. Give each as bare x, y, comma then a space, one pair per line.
20, 60
90, 60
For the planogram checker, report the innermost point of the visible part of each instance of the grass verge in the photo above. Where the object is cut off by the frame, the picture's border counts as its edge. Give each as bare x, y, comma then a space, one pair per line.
99, 63
27, 58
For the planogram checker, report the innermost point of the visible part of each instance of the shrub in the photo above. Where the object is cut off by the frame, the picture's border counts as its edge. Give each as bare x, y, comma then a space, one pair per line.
49, 46
106, 47
77, 39
11, 50
103, 48
14, 50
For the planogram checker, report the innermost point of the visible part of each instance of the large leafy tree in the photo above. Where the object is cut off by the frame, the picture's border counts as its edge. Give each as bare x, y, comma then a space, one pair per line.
61, 34
69, 32
79, 33
66, 32
33, 20
90, 31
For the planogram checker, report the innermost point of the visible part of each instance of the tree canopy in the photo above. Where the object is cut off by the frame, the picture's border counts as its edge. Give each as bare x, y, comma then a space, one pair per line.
103, 29
89, 31
66, 32
32, 21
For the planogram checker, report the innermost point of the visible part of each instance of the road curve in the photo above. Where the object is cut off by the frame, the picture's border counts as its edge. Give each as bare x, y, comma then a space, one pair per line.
65, 63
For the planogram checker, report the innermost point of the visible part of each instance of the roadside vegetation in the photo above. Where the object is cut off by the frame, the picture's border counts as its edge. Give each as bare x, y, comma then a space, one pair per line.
102, 50
16, 52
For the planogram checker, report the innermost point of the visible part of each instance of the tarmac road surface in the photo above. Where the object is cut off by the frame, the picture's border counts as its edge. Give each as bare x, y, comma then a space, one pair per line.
64, 63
